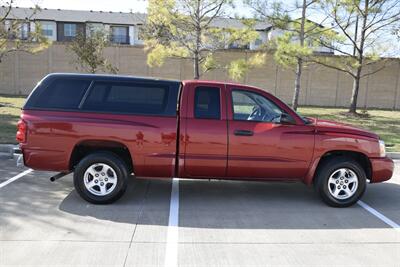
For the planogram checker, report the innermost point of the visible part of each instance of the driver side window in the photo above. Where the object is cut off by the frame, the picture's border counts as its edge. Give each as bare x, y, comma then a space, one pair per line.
254, 107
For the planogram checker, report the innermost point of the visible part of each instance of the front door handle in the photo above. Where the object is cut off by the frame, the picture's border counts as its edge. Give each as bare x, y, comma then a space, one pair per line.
244, 132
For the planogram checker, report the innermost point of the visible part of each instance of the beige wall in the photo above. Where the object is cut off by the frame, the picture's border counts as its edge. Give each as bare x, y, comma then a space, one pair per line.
20, 72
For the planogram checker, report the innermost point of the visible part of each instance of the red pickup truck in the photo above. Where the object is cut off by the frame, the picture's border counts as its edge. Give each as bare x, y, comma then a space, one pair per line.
106, 129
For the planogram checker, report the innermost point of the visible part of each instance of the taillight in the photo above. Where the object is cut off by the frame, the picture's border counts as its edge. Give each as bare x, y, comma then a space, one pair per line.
21, 131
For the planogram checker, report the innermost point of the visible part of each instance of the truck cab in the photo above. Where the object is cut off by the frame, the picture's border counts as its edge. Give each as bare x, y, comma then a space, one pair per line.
235, 131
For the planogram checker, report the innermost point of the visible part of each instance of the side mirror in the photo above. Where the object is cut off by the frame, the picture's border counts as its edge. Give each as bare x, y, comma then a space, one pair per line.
286, 119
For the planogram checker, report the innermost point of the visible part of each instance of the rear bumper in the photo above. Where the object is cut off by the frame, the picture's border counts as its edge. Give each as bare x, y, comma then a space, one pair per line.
45, 159
18, 156
382, 169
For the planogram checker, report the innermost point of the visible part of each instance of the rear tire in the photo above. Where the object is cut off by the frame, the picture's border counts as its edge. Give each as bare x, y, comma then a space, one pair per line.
340, 181
101, 178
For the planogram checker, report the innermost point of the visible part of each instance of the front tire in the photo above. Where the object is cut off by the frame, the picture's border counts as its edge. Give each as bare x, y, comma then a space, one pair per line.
101, 178
340, 181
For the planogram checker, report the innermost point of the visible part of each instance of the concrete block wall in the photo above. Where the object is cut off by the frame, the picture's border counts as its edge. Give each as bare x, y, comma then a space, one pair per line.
19, 73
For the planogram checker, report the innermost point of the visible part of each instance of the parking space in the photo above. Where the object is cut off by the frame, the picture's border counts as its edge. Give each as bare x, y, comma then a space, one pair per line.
385, 197
221, 223
239, 223
8, 169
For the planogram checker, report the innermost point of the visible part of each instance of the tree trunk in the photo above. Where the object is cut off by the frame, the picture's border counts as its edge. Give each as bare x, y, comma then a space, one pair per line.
299, 66
297, 84
357, 77
354, 93
196, 58
196, 71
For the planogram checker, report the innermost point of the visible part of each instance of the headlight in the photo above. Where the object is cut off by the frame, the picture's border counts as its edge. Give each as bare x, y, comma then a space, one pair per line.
382, 149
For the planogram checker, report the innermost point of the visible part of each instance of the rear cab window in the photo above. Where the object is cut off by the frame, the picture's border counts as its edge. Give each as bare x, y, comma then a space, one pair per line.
99, 94
127, 97
207, 103
64, 93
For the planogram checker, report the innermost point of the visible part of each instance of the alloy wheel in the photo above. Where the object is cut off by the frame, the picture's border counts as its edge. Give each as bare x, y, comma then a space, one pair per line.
343, 183
100, 179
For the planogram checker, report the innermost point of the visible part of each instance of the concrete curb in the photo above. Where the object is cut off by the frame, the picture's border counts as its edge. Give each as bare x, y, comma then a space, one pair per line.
5, 155
393, 155
7, 149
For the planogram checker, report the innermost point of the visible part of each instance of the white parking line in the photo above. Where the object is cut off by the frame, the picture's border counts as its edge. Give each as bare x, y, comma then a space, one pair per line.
16, 177
379, 215
171, 251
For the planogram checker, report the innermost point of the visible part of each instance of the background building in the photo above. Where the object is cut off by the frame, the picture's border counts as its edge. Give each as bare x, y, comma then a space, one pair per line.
61, 25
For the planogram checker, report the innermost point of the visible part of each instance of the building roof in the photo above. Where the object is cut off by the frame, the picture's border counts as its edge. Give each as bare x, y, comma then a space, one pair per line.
106, 17
236, 23
75, 15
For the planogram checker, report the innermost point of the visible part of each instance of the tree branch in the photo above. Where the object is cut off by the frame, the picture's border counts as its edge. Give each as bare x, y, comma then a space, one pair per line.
332, 67
8, 10
375, 71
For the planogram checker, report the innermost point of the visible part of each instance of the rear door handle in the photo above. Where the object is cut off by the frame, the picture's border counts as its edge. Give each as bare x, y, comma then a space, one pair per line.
244, 132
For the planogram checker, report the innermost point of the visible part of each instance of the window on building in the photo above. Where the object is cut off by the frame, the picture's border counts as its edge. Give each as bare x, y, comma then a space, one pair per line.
237, 45
119, 34
69, 30
24, 30
258, 42
47, 30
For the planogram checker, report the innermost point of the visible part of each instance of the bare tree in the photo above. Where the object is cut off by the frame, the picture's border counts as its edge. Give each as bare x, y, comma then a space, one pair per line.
361, 25
295, 47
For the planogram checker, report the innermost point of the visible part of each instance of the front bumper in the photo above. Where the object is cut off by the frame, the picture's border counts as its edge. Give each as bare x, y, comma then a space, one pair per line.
382, 169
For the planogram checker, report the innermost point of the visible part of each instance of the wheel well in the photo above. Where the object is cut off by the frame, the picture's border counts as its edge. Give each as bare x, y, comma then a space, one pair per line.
360, 158
85, 148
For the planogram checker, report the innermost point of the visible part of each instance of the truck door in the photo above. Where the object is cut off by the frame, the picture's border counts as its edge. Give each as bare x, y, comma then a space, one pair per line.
205, 130
259, 145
